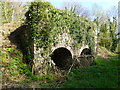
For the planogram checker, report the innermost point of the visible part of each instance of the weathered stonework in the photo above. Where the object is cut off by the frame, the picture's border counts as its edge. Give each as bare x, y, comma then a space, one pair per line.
40, 65
65, 42
65, 48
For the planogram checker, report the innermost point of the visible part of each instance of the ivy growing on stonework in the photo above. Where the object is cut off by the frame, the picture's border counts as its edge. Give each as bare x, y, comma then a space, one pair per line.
47, 22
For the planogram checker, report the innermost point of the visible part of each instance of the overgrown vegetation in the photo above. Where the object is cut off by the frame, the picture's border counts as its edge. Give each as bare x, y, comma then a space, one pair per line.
13, 65
15, 71
46, 23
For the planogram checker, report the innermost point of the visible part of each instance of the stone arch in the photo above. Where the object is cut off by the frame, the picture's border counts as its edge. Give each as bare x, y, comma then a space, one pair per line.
82, 48
86, 51
62, 58
86, 58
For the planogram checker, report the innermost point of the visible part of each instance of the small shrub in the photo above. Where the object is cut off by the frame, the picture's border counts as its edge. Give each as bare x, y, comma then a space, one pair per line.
14, 72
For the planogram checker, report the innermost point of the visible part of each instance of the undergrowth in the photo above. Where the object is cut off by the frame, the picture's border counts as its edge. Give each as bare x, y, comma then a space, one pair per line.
14, 71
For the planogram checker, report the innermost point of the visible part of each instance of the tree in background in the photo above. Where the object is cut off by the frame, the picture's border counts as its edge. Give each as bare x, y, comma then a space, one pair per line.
76, 8
106, 22
0, 12
13, 11
113, 12
6, 11
107, 27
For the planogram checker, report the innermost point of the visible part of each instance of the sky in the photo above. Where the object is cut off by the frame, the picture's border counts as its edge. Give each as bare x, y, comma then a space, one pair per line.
88, 4
105, 4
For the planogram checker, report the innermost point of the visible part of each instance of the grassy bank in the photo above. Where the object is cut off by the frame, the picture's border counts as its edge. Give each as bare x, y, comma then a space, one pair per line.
102, 75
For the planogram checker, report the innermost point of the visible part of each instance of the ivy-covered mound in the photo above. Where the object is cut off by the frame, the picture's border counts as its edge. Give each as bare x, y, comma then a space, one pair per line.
46, 22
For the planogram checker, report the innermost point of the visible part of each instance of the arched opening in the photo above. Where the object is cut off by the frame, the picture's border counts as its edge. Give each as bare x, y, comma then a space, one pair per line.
62, 57
86, 51
86, 57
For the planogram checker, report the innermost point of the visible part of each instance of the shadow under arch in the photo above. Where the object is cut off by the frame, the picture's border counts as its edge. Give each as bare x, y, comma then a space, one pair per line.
62, 58
86, 51
86, 57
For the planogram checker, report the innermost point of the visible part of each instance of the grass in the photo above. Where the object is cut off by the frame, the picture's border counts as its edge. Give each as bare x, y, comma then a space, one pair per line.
102, 75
